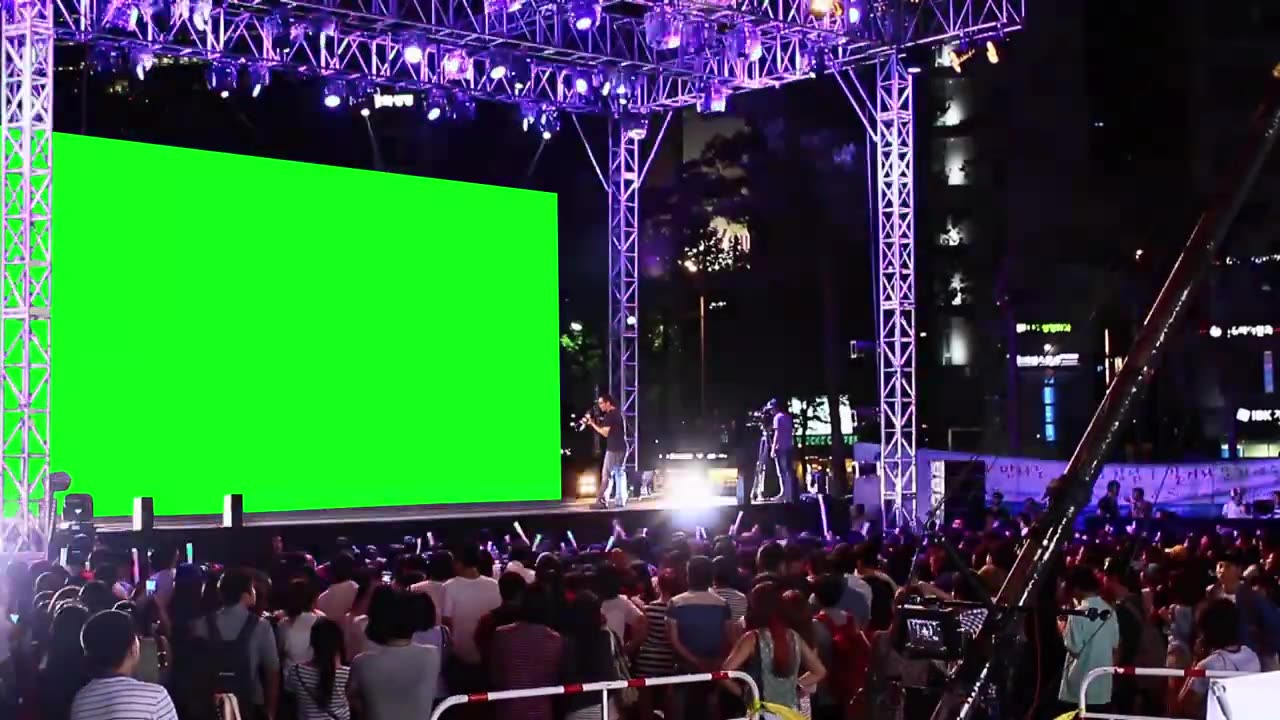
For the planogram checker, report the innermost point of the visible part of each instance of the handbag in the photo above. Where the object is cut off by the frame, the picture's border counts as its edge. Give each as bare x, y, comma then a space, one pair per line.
627, 696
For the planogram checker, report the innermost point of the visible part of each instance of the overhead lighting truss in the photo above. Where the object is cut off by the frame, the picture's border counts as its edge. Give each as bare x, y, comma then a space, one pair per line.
368, 39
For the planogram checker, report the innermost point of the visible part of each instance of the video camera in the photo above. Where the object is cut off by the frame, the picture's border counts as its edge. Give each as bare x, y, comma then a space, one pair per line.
763, 417
930, 632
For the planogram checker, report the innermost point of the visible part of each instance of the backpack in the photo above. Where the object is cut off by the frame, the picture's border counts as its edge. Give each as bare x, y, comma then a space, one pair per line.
232, 660
850, 661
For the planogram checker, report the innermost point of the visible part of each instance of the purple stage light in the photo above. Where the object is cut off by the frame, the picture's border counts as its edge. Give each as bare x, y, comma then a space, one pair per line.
497, 70
585, 14
581, 85
334, 93
854, 11
413, 53
456, 65
435, 104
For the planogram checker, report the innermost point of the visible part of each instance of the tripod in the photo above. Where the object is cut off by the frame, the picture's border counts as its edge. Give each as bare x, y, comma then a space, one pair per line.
762, 464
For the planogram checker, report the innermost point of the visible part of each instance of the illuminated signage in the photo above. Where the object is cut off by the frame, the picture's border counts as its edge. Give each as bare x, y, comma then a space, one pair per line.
1046, 328
1234, 331
399, 100
1246, 415
1049, 361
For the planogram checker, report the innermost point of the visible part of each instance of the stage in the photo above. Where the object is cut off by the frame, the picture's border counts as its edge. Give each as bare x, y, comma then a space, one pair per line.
319, 530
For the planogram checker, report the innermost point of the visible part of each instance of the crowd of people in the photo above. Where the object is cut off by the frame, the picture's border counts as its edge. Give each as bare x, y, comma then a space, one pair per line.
386, 633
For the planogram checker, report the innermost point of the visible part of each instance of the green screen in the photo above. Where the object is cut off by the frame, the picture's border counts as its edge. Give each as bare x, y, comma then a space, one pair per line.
309, 336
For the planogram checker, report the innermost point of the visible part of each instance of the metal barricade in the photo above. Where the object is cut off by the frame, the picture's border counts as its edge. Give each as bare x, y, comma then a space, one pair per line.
753, 693
1143, 672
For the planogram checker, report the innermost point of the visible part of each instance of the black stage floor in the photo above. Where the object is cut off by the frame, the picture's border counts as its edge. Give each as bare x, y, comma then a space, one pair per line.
319, 530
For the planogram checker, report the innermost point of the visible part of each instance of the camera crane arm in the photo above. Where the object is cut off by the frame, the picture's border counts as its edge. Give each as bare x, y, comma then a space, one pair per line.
1075, 488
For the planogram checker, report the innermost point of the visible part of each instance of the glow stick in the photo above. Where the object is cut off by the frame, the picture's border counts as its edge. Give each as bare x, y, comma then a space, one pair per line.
572, 539
191, 552
431, 538
733, 531
134, 553
419, 551
701, 533
822, 505
521, 531
537, 540
609, 546
62, 556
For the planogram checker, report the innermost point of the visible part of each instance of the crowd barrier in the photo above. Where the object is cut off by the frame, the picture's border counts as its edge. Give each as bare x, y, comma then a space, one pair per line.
603, 688
1084, 714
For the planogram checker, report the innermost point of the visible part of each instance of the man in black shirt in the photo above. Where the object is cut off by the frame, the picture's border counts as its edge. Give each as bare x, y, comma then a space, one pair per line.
1109, 504
612, 472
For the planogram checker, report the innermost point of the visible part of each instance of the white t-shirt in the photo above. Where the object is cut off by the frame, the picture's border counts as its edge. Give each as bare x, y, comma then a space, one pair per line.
618, 613
1091, 644
435, 589
122, 698
336, 601
294, 638
466, 600
1234, 511
1242, 660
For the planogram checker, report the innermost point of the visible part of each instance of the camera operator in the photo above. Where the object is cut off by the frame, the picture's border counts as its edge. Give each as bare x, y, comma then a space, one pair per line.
781, 450
612, 471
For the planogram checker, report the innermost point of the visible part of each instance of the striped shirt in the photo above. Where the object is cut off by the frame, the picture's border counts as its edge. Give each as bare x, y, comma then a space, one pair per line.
303, 681
122, 698
656, 658
736, 600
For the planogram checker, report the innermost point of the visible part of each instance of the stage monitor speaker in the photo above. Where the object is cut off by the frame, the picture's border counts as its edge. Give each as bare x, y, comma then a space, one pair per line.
144, 514
233, 511
964, 485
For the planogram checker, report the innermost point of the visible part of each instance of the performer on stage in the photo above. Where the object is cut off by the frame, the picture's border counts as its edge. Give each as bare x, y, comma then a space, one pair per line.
613, 470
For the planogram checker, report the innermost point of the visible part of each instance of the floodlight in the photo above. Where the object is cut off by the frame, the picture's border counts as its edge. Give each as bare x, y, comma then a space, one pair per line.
584, 14
201, 14
221, 78
714, 99
548, 121
141, 61
636, 126
821, 8
436, 104
855, 10
993, 52
462, 107
744, 41
662, 29
455, 65
259, 77
498, 65
528, 115
577, 81
412, 50
335, 91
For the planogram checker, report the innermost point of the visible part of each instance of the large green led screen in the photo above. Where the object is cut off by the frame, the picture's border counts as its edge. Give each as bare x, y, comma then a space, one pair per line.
309, 336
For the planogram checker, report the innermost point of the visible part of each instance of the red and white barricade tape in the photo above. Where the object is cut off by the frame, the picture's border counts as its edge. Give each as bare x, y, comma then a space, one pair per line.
601, 687
1142, 672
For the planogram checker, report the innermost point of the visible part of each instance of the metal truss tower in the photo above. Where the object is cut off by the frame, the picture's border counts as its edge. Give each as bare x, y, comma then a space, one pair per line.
625, 174
725, 47
896, 314
26, 213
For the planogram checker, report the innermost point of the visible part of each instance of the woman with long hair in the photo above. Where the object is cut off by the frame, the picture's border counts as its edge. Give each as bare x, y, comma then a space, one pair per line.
773, 653
588, 655
320, 683
293, 632
62, 671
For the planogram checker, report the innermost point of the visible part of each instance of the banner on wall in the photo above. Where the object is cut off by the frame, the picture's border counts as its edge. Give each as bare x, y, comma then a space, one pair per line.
1166, 483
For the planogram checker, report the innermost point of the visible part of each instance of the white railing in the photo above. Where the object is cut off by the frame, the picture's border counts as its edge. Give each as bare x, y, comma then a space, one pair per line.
1142, 672
603, 688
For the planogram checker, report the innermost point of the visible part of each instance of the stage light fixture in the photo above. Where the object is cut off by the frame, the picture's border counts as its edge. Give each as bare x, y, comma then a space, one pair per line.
603, 80
520, 72
548, 121
821, 8
221, 78
584, 14
412, 50
662, 29
462, 107
576, 81
202, 14
694, 36
259, 77
528, 115
623, 86
714, 99
435, 104
141, 60
957, 55
498, 7
455, 65
744, 42
993, 52
498, 64
335, 91
636, 126
855, 10
363, 104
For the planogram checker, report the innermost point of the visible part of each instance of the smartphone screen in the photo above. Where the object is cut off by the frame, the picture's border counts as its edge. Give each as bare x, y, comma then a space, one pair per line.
191, 553
151, 586
386, 577
13, 618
